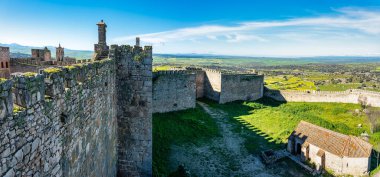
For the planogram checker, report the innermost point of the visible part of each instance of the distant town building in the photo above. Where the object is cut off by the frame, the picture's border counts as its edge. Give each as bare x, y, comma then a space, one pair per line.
342, 154
101, 48
59, 53
41, 54
4, 59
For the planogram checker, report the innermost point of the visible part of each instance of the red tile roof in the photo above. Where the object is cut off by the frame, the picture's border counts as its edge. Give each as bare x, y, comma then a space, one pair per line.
333, 142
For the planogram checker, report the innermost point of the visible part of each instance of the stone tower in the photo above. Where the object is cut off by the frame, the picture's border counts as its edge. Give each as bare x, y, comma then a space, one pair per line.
134, 109
60, 53
4, 59
101, 48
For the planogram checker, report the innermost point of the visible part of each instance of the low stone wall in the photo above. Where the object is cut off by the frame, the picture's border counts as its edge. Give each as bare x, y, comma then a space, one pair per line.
241, 87
173, 90
349, 96
64, 123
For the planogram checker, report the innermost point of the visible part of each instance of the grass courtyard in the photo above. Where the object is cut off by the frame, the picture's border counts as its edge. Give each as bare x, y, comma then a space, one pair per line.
263, 124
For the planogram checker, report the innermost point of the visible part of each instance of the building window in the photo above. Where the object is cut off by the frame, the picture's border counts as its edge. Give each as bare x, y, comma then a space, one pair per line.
6, 64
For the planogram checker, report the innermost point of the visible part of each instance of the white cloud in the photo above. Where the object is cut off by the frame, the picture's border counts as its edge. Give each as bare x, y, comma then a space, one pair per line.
346, 23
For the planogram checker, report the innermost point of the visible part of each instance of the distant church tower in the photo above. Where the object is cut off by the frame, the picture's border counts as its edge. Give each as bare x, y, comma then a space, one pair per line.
101, 48
59, 53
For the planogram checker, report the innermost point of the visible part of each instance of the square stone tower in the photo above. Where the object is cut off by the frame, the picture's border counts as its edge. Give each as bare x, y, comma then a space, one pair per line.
4, 60
59, 53
134, 109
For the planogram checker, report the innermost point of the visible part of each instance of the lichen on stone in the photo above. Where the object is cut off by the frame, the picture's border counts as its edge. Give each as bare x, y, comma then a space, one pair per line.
52, 70
69, 67
30, 74
17, 108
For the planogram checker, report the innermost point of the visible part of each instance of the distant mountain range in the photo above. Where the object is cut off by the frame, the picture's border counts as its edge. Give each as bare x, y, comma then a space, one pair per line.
20, 51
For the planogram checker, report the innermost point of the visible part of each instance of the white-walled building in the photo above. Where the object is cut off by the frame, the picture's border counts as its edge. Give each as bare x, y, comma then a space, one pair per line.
343, 154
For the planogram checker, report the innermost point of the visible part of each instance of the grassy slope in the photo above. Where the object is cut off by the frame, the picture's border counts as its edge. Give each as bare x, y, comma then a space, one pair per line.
189, 126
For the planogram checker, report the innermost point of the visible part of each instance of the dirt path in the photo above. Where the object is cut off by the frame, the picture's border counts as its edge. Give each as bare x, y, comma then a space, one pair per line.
223, 156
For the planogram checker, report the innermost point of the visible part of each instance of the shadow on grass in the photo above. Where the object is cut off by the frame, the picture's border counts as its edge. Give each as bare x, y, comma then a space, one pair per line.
192, 126
255, 139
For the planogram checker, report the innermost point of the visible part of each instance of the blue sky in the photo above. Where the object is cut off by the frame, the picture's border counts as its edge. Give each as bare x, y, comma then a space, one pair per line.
240, 27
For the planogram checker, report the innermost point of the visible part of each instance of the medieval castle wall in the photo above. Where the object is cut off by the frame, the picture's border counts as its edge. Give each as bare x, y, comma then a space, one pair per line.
63, 122
90, 119
178, 89
241, 87
350, 96
34, 65
173, 90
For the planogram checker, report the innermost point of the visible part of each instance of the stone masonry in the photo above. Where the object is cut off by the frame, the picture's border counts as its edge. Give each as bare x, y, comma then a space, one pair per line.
41, 54
90, 119
173, 90
5, 62
134, 109
178, 89
61, 122
355, 96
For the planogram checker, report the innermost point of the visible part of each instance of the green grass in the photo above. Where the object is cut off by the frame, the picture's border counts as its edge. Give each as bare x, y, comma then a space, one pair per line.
277, 120
289, 82
177, 128
274, 121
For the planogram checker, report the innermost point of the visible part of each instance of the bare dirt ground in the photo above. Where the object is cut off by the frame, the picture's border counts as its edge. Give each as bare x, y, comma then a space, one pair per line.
225, 155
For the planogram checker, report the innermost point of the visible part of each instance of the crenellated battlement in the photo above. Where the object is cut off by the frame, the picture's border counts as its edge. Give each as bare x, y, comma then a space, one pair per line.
212, 70
172, 72
27, 89
139, 54
44, 111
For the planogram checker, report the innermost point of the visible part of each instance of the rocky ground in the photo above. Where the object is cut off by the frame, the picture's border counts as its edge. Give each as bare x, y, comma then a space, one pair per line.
226, 155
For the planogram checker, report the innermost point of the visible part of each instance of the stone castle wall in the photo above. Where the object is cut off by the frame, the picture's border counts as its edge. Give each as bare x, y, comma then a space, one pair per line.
241, 87
178, 89
64, 123
88, 119
173, 90
349, 96
34, 65
134, 109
